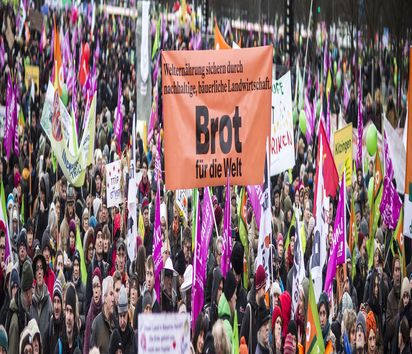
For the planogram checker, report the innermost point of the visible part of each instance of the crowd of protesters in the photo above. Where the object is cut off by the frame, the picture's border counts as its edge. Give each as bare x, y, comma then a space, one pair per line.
46, 307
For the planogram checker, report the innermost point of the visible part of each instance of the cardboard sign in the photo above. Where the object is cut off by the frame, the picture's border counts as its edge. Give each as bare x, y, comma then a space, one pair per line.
282, 150
36, 20
32, 73
216, 107
164, 333
342, 152
113, 183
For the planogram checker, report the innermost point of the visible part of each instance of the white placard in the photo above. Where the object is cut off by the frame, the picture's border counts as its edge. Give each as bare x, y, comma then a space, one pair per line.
282, 151
164, 333
113, 184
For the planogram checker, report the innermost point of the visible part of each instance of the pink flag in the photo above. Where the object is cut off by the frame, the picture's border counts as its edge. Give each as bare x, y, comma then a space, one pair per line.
391, 204
203, 235
337, 254
360, 125
328, 119
118, 123
227, 233
255, 194
2, 54
10, 124
16, 126
158, 164
309, 117
157, 244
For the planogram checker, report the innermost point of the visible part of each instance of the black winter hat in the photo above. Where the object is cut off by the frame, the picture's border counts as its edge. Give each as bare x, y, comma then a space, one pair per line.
22, 240
71, 297
230, 285
237, 258
323, 299
263, 314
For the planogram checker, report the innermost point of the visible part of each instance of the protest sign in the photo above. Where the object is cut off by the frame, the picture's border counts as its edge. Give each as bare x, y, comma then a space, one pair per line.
52, 121
216, 115
282, 150
342, 152
113, 183
32, 72
164, 333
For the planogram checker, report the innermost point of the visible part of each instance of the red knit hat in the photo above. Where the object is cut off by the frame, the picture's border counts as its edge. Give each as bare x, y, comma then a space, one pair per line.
286, 307
275, 314
260, 278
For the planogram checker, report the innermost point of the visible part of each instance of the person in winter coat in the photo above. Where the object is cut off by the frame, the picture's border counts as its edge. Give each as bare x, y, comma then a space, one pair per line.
404, 337
68, 216
323, 310
103, 324
46, 248
95, 307
392, 303
41, 309
125, 329
79, 286
19, 312
241, 295
217, 290
249, 325
277, 330
263, 319
42, 206
148, 288
55, 325
97, 261
70, 340
227, 308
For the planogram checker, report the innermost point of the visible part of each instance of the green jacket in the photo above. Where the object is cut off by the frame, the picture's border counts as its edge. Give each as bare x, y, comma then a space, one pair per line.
223, 312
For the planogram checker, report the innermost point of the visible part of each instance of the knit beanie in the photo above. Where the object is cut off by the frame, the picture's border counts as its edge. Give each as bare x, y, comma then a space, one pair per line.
71, 297
360, 321
230, 285
14, 278
406, 287
347, 303
57, 289
260, 277
27, 276
277, 312
237, 258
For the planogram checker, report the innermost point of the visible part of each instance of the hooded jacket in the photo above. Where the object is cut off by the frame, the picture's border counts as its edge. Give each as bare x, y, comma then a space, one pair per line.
128, 340
249, 318
63, 343
53, 333
225, 315
217, 278
41, 309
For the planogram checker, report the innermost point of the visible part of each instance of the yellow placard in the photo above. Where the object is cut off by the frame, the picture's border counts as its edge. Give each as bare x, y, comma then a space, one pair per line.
32, 72
342, 151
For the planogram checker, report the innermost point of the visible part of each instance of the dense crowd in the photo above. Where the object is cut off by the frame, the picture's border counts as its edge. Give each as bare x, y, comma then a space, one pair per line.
48, 306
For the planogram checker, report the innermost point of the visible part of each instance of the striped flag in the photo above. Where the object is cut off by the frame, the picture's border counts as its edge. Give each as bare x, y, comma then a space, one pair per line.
314, 340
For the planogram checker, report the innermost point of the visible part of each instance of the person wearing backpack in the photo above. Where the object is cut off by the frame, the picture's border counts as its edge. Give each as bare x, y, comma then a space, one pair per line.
19, 312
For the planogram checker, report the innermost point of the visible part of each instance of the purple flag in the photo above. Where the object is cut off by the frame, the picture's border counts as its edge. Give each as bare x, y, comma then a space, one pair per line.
203, 236
16, 126
309, 117
118, 123
388, 162
157, 245
158, 164
10, 123
346, 95
227, 233
2, 54
337, 254
391, 204
360, 126
255, 194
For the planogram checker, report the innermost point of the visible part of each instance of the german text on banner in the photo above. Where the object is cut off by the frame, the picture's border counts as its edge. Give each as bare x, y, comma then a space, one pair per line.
342, 152
113, 184
216, 107
282, 150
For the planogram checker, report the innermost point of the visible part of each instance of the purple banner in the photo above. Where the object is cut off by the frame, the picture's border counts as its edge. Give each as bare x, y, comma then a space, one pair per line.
16, 125
10, 124
337, 254
157, 245
203, 236
309, 111
328, 118
158, 164
360, 126
391, 204
118, 124
227, 234
255, 194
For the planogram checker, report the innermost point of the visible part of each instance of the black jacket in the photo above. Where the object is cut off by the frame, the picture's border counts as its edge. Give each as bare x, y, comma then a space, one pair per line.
248, 319
53, 333
128, 340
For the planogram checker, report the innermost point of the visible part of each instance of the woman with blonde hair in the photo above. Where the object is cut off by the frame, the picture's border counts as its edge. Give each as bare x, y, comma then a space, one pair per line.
222, 343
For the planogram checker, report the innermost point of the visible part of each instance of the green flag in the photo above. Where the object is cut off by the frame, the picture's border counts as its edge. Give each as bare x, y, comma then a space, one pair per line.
156, 43
3, 202
79, 247
292, 223
241, 212
314, 340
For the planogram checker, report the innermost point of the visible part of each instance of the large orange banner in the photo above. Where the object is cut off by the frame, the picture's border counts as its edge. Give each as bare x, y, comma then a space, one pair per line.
216, 109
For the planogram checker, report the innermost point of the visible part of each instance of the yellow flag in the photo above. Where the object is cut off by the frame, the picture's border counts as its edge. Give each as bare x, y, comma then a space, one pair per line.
141, 225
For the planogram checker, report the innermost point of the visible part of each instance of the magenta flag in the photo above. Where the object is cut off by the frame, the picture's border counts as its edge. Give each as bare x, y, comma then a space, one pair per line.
360, 125
11, 110
227, 233
16, 126
255, 194
309, 117
158, 163
203, 235
337, 254
118, 123
2, 54
346, 95
328, 118
391, 204
157, 245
